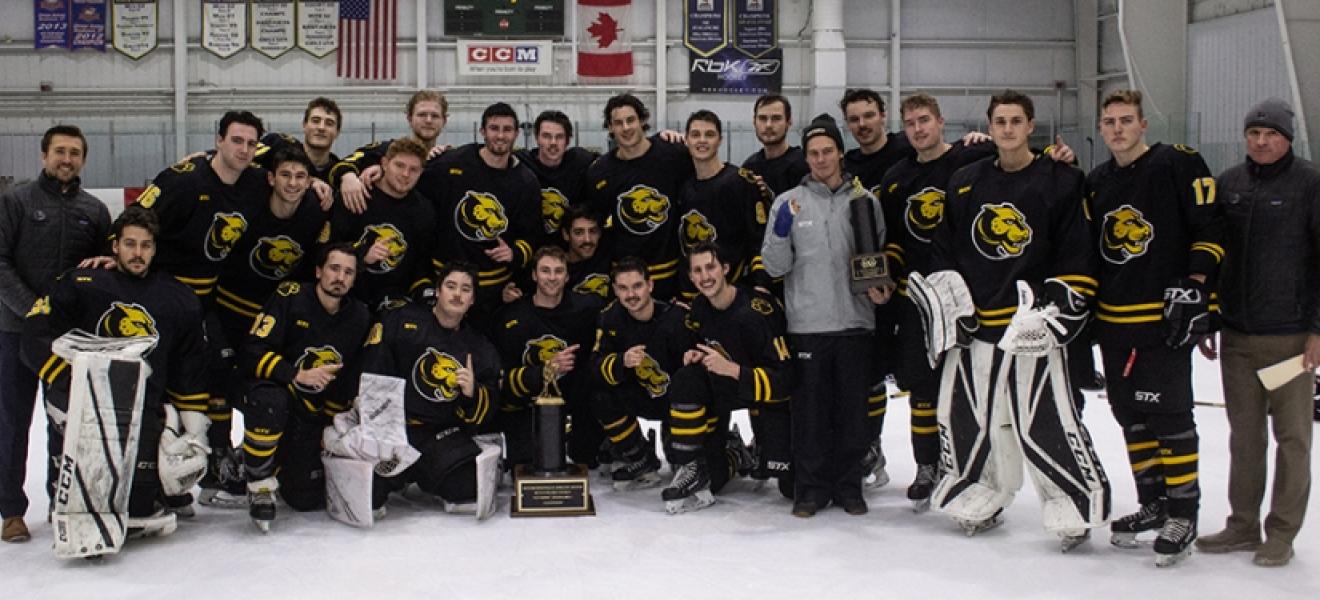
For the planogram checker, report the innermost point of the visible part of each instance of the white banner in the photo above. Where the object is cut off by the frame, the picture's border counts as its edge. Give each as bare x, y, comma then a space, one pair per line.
272, 27
133, 27
523, 58
224, 26
318, 27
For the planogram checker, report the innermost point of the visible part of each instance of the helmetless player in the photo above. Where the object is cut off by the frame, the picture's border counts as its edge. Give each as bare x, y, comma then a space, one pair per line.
560, 168
1016, 221
427, 112
131, 300
780, 165
298, 370
1159, 236
321, 124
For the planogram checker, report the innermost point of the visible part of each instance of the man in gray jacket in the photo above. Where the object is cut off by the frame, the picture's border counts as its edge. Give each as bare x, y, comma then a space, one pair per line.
809, 242
46, 227
1270, 303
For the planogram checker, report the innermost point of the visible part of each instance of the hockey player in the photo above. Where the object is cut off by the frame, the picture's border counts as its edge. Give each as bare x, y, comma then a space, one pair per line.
297, 369
1160, 243
723, 204
321, 125
395, 235
452, 374
588, 267
1004, 396
554, 327
780, 165
741, 360
427, 112
487, 205
561, 170
134, 299
640, 342
636, 187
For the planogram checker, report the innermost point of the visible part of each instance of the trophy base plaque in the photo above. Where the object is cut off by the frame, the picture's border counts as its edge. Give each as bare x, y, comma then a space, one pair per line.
561, 494
867, 271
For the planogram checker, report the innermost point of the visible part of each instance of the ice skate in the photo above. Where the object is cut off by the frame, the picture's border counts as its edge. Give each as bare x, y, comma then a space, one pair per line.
873, 464
972, 528
922, 485
640, 474
739, 455
222, 486
1124, 530
1071, 539
690, 489
262, 505
1174, 542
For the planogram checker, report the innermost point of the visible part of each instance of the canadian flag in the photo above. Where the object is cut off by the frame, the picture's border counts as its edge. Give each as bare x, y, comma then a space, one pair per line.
604, 38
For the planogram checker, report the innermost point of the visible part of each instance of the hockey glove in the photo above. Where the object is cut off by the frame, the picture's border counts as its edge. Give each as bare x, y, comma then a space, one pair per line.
947, 314
181, 458
1186, 312
1045, 319
784, 219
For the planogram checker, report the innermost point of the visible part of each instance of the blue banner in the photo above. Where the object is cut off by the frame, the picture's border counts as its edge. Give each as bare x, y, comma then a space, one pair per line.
50, 24
732, 72
89, 18
755, 28
705, 26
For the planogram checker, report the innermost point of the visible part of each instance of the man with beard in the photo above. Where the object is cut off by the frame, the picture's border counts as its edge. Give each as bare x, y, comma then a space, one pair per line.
427, 111
780, 165
298, 368
131, 300
488, 208
560, 169
588, 268
321, 124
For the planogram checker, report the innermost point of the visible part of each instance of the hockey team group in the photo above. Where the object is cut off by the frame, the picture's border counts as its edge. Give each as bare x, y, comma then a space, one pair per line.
399, 310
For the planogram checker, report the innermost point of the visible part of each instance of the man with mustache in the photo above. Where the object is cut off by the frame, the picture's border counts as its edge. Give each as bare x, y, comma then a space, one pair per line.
298, 369
46, 227
588, 267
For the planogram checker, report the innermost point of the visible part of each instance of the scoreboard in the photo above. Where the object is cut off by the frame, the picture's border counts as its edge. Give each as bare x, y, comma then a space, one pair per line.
504, 18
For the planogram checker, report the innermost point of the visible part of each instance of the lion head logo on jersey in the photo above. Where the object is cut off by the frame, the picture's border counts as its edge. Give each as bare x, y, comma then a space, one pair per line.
553, 207
1000, 231
925, 210
1126, 234
653, 379
124, 320
693, 229
225, 230
435, 375
643, 209
542, 349
275, 257
595, 283
480, 216
394, 242
317, 356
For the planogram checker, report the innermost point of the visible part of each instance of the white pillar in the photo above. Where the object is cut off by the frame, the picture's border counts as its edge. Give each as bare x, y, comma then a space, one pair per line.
180, 79
895, 64
661, 114
830, 75
422, 74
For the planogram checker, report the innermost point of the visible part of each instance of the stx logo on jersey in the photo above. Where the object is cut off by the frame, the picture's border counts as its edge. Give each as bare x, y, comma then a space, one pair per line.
394, 242
595, 283
653, 379
480, 216
275, 257
1126, 234
1148, 397
317, 356
925, 210
553, 206
435, 376
124, 319
643, 209
225, 230
693, 229
1000, 231
542, 349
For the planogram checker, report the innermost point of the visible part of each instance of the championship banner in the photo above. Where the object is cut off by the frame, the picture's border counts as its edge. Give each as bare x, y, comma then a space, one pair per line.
526, 58
318, 27
88, 25
705, 26
604, 38
133, 27
50, 24
224, 26
752, 65
272, 27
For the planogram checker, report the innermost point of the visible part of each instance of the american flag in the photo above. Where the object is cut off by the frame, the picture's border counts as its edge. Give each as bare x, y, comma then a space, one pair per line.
367, 39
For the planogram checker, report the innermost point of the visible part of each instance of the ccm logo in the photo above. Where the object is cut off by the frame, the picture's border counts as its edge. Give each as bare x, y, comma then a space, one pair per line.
504, 54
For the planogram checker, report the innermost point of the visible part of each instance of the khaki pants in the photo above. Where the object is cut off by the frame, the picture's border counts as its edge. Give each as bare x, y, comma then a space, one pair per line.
1248, 404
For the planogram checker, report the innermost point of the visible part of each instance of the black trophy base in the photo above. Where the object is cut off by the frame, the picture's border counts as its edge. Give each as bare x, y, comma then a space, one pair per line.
563, 494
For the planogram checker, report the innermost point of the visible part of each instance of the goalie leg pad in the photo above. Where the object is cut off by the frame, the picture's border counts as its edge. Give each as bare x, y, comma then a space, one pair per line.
350, 488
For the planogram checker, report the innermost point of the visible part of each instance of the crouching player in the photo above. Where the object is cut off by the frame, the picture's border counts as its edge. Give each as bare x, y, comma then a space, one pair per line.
741, 360
291, 364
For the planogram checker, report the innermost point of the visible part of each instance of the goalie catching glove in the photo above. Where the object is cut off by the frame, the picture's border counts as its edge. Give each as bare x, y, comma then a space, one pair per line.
182, 454
1186, 312
1045, 319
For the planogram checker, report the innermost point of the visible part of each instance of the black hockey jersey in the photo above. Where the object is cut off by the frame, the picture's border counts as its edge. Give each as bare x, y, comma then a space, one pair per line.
409, 343
201, 218
527, 336
639, 199
475, 204
272, 250
1154, 221
561, 187
730, 210
750, 332
780, 174
294, 332
871, 168
1000, 227
367, 156
665, 336
272, 142
110, 303
408, 227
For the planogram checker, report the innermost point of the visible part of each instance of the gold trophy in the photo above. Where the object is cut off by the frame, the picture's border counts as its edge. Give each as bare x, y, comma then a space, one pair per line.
550, 487
868, 267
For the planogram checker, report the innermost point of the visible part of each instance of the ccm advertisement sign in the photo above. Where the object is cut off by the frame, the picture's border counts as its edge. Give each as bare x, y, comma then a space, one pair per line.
505, 57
